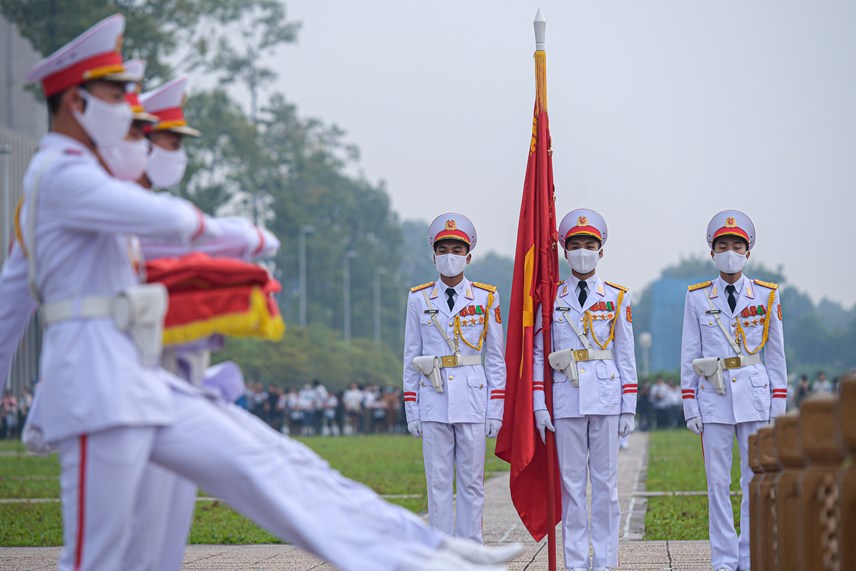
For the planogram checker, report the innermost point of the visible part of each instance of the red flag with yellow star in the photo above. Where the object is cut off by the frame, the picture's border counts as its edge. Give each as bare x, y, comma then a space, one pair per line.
534, 475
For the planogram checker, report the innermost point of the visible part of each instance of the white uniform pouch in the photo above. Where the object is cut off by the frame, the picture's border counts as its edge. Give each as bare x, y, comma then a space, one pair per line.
564, 361
711, 369
140, 311
429, 365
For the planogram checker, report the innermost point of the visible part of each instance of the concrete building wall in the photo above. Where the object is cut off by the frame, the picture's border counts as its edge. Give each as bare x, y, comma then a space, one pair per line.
20, 111
23, 121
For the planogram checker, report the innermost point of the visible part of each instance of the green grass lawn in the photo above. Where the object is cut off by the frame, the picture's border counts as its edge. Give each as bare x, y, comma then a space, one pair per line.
390, 465
675, 463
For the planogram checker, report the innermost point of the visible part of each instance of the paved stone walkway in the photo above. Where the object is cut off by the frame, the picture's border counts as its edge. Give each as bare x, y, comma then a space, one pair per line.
501, 525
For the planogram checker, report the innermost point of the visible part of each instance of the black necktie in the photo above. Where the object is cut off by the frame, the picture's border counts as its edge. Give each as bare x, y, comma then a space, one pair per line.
583, 293
732, 301
450, 293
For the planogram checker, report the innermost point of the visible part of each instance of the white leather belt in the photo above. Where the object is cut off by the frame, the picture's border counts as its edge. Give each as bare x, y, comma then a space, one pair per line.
741, 361
78, 308
448, 361
592, 355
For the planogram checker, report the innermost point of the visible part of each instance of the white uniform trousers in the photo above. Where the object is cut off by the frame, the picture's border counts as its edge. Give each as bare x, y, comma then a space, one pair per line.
588, 449
162, 517
292, 493
726, 549
449, 450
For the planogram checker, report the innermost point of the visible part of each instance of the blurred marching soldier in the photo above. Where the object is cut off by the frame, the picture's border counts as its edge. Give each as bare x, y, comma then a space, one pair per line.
165, 504
728, 388
594, 391
104, 403
454, 377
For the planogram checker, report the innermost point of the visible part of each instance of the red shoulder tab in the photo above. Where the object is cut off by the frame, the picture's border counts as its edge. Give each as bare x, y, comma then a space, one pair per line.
73, 152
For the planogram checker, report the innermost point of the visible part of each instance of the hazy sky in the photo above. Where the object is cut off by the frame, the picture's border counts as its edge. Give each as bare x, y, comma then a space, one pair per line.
662, 113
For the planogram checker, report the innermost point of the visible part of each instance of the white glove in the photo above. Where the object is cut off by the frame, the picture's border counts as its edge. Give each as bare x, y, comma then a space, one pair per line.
269, 247
695, 424
415, 428
491, 427
542, 422
626, 424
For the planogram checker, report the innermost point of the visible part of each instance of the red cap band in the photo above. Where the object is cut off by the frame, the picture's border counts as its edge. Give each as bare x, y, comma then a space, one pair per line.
733, 231
76, 74
452, 235
586, 230
171, 115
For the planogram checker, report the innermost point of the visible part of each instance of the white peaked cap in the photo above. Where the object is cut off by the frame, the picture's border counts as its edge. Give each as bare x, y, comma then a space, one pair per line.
453, 226
583, 222
731, 223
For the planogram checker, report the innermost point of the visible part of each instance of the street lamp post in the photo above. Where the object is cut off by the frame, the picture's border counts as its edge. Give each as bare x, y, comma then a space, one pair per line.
646, 340
346, 292
301, 262
377, 277
5, 152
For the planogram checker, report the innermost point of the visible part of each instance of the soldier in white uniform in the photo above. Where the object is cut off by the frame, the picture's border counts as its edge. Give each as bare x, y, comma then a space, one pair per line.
165, 505
454, 377
594, 391
104, 403
728, 388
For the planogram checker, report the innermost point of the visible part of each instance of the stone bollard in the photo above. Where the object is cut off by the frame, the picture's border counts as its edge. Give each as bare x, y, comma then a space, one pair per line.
848, 474
756, 521
787, 488
772, 468
824, 450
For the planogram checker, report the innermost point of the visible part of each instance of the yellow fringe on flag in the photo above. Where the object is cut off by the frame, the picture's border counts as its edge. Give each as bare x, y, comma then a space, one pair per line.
541, 80
255, 322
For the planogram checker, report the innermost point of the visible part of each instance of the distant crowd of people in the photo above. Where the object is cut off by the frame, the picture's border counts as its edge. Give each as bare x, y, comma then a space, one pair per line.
365, 409
13, 413
313, 410
659, 403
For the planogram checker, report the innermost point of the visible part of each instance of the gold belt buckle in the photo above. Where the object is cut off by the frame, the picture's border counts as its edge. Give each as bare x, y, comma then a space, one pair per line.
581, 355
732, 362
449, 361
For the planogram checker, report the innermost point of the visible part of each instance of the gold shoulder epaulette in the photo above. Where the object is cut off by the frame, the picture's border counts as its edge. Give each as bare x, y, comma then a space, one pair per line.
421, 287
486, 287
770, 285
699, 285
617, 286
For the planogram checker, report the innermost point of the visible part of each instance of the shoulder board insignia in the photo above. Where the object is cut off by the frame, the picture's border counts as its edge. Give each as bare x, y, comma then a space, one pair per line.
486, 287
699, 285
421, 287
617, 286
770, 285
73, 152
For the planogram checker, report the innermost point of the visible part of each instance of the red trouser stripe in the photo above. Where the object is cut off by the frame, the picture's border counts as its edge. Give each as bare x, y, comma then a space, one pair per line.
81, 505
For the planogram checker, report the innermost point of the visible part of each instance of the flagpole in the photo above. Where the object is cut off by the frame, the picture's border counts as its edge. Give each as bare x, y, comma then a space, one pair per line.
540, 25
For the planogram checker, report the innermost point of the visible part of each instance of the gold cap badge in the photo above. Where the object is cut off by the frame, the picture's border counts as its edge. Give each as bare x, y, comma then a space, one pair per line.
582, 221
450, 225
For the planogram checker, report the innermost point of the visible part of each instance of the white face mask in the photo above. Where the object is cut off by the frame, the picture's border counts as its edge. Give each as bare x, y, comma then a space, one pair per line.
166, 168
127, 159
583, 261
729, 262
450, 265
105, 123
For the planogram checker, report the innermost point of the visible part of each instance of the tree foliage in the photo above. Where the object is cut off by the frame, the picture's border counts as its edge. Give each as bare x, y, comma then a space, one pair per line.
159, 31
